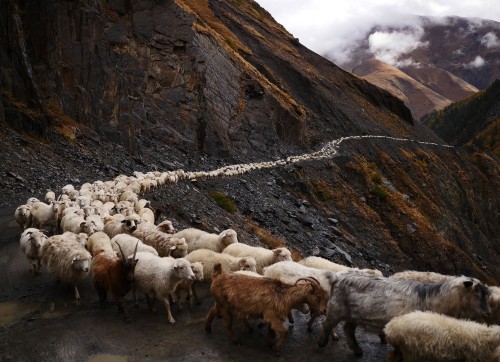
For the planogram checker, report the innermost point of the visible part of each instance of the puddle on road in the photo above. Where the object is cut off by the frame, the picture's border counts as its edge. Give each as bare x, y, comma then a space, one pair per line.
13, 311
107, 358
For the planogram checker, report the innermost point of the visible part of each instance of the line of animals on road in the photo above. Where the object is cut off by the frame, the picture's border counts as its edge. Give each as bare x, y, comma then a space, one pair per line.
107, 230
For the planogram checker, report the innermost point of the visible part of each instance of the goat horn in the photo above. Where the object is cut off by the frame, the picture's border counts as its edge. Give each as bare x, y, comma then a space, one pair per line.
123, 255
313, 281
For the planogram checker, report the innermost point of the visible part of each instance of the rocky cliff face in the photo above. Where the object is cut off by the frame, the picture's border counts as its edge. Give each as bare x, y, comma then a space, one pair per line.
91, 89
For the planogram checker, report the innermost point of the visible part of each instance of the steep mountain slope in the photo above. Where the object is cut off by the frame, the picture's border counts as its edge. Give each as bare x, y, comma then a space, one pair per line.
472, 121
416, 96
97, 88
452, 56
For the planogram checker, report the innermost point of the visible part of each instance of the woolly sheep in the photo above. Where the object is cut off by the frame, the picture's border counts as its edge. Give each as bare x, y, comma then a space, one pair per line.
428, 336
147, 214
50, 196
165, 244
99, 242
431, 277
290, 271
128, 243
77, 224
43, 215
229, 263
322, 263
199, 239
187, 285
31, 243
31, 201
68, 261
126, 226
97, 221
166, 226
23, 216
262, 256
360, 299
157, 277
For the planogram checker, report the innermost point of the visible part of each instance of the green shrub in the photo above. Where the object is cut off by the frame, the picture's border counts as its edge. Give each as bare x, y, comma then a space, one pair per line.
224, 202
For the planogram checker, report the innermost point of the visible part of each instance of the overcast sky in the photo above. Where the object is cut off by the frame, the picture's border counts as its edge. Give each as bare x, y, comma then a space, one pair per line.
329, 27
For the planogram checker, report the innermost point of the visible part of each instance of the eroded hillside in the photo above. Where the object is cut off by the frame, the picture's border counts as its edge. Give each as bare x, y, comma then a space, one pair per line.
97, 88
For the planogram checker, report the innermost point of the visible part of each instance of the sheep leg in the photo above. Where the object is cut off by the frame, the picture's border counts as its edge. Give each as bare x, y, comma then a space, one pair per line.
171, 319
77, 295
176, 299
395, 355
151, 302
290, 317
349, 329
326, 329
382, 337
212, 313
39, 267
195, 295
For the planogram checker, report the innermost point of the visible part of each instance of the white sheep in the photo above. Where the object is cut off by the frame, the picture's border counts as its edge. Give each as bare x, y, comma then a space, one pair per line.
23, 216
158, 277
126, 226
50, 196
229, 263
43, 215
128, 244
99, 242
67, 260
31, 201
419, 336
263, 257
77, 224
97, 221
187, 285
147, 214
31, 243
290, 271
322, 263
199, 239
165, 244
166, 226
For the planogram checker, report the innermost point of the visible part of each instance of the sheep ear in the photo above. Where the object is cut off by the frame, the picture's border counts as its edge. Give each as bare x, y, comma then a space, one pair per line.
276, 251
468, 283
124, 221
82, 224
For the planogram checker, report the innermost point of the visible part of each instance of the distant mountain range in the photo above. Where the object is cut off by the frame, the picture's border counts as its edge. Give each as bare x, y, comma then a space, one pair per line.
432, 64
472, 121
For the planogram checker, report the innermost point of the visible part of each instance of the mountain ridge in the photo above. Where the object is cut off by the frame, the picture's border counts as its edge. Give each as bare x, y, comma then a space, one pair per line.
146, 85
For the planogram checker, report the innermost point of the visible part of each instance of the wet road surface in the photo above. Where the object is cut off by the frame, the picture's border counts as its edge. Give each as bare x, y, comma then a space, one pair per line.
40, 321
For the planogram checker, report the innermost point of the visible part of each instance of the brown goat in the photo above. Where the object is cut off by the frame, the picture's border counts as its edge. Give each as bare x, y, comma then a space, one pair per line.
114, 274
245, 297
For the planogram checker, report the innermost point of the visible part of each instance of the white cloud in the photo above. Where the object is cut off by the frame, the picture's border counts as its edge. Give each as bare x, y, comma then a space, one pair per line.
331, 27
490, 40
389, 46
478, 62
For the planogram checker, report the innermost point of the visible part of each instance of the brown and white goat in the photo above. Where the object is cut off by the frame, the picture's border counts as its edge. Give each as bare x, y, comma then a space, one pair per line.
114, 274
245, 297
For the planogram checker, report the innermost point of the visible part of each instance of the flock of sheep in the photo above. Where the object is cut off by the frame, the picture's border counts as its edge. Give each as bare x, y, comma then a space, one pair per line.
105, 229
